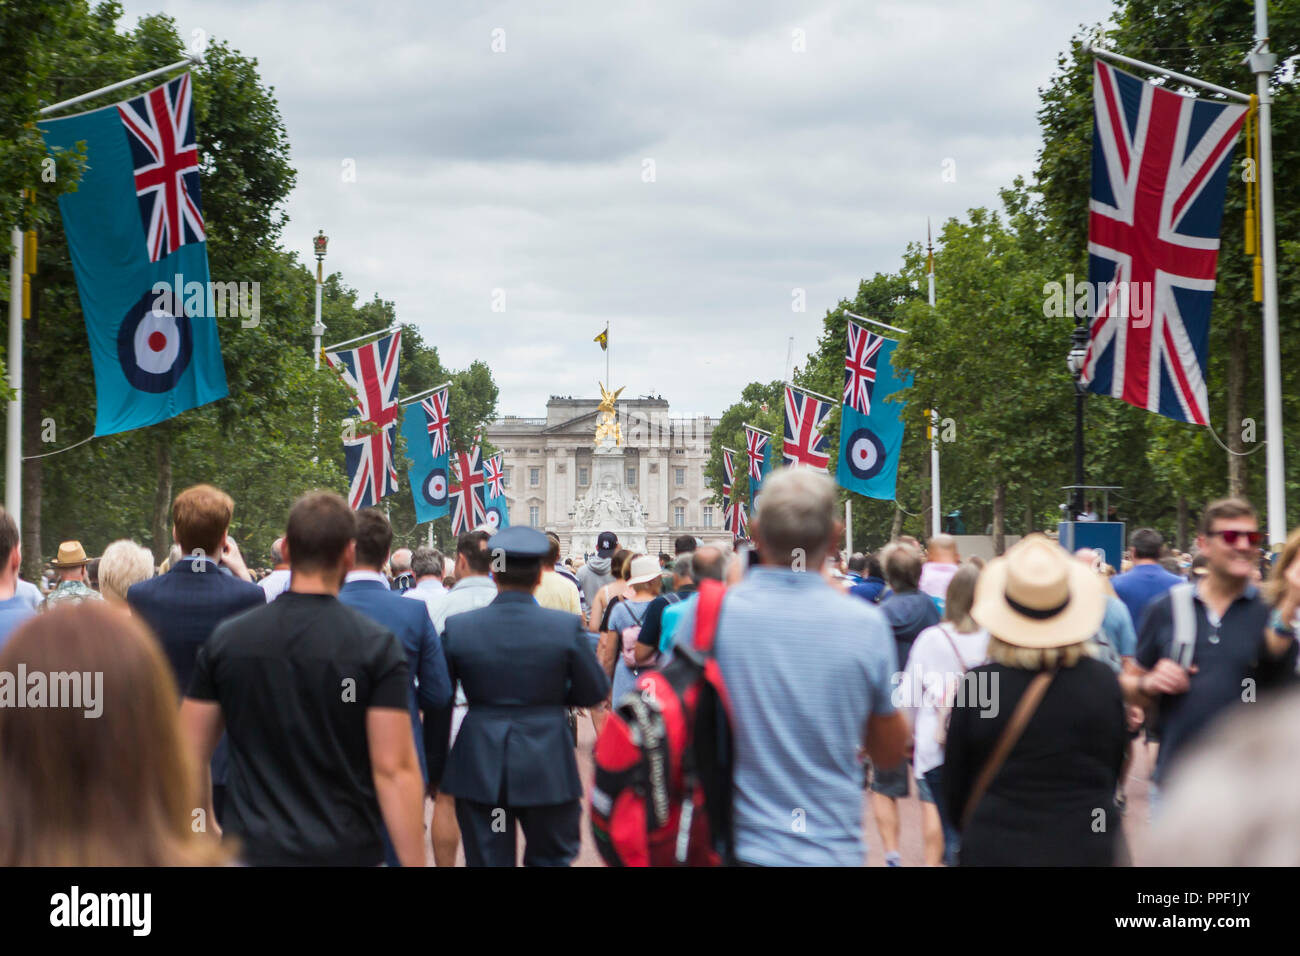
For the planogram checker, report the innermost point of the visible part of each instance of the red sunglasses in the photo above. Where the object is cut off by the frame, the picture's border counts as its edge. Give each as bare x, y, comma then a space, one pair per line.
1232, 536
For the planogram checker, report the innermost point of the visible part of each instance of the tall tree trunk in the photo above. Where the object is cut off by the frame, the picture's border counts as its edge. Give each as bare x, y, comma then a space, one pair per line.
162, 499
999, 518
1183, 523
1029, 513
1236, 409
897, 527
32, 471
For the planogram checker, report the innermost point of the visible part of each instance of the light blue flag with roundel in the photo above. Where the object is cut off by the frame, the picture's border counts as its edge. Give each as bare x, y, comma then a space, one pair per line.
138, 245
494, 492
871, 429
428, 474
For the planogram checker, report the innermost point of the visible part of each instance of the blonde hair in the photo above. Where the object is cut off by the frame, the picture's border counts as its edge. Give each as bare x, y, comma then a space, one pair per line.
1275, 586
123, 564
960, 596
1038, 658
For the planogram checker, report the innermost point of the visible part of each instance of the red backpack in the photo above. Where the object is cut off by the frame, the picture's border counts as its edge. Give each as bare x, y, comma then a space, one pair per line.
662, 795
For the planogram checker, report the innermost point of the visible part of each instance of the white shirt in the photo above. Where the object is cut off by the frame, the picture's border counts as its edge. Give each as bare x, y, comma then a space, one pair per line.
29, 592
428, 590
275, 584
375, 576
932, 667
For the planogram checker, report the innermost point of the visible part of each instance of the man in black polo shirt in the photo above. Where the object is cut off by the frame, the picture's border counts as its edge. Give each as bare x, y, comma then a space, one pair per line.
1238, 645
313, 698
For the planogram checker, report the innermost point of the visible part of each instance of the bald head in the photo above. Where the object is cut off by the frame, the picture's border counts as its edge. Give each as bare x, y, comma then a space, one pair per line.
943, 549
708, 563
400, 562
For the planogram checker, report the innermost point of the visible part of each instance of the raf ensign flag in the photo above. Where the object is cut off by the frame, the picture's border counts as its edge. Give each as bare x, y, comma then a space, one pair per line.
871, 429
1160, 165
136, 222
426, 448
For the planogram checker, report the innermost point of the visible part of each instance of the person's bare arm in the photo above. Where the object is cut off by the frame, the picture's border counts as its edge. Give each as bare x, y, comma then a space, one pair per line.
887, 739
1142, 687
398, 785
597, 610
232, 558
201, 727
1275, 643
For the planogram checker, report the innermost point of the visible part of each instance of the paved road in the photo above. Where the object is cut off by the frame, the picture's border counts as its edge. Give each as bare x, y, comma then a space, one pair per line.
1135, 821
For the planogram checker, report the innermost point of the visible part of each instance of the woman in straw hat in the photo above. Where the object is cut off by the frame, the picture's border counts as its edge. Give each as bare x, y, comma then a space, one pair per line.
1037, 737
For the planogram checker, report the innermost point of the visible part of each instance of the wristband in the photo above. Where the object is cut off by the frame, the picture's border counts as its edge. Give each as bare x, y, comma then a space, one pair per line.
1279, 626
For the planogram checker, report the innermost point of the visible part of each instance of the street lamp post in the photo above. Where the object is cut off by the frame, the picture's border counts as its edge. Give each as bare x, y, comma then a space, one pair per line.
319, 242
1074, 361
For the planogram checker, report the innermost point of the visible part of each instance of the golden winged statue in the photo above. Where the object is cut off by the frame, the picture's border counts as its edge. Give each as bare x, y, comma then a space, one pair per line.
606, 426
607, 399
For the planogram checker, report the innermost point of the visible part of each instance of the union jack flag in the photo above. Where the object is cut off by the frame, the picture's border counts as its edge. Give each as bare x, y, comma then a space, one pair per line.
495, 476
728, 472
371, 372
468, 509
735, 520
804, 442
860, 367
756, 442
435, 408
1160, 164
165, 156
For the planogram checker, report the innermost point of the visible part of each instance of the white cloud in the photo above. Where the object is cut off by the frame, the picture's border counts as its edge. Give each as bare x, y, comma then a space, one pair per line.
522, 170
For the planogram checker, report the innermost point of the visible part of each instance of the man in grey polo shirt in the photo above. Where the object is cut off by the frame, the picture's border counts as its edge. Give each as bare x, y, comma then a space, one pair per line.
809, 673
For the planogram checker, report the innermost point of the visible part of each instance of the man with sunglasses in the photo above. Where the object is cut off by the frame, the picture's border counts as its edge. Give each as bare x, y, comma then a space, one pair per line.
1232, 645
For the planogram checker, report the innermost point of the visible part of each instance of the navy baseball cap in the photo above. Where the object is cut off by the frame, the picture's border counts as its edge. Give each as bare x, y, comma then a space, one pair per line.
606, 544
520, 542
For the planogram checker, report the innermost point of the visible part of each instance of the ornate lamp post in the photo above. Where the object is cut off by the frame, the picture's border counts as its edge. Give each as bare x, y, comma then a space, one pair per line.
319, 242
1074, 361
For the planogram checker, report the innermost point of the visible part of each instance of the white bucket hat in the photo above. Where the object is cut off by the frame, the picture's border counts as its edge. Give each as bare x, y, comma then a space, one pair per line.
1037, 596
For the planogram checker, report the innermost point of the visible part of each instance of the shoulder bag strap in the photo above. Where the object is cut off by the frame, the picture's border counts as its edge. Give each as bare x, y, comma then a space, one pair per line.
1015, 727
956, 653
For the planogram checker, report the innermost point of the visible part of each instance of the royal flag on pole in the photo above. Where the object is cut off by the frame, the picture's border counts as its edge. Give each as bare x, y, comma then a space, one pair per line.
871, 429
805, 416
428, 473
494, 492
735, 521
603, 339
370, 370
756, 441
137, 241
1160, 164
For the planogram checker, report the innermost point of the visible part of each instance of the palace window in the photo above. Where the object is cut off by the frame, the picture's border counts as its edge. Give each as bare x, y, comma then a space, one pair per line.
679, 517
582, 475
708, 516
680, 478
534, 477
631, 477
534, 516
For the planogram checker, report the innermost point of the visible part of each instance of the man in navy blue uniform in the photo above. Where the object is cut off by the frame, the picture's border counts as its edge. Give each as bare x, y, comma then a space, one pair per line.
521, 666
366, 590
207, 585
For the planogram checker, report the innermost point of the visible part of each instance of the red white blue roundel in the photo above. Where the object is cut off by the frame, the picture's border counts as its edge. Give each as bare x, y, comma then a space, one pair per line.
866, 454
155, 343
494, 517
435, 487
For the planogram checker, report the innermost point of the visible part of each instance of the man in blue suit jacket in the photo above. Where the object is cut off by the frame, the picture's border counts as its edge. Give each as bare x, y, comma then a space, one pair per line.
522, 666
366, 589
200, 591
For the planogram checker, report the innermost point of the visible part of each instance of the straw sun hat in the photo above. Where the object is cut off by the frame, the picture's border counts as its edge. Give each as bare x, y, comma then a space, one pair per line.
1037, 596
645, 568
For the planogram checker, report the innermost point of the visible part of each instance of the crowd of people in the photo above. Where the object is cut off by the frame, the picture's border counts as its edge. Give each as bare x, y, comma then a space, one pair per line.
352, 704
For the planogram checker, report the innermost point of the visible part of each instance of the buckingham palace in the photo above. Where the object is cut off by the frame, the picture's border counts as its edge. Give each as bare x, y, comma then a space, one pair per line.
649, 487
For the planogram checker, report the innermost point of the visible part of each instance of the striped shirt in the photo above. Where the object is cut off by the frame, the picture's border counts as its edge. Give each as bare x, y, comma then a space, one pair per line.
805, 667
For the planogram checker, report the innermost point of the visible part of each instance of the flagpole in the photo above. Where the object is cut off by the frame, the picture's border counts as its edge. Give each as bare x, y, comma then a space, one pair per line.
419, 395
863, 318
608, 384
1262, 63
194, 59
848, 524
14, 417
369, 335
809, 391
936, 513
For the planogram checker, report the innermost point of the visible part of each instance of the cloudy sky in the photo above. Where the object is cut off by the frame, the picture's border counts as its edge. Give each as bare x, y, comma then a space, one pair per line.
677, 169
